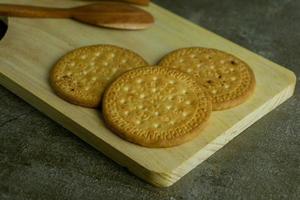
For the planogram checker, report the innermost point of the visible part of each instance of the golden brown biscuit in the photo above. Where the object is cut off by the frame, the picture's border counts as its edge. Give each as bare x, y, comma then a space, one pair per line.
156, 107
81, 76
229, 80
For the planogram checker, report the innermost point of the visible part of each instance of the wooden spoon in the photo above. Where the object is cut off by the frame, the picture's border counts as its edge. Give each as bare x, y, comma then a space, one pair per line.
105, 14
138, 2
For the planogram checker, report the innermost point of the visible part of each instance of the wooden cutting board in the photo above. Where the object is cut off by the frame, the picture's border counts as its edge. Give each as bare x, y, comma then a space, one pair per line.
32, 46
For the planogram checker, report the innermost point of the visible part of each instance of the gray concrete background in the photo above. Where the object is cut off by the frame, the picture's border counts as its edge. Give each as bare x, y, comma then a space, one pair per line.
41, 160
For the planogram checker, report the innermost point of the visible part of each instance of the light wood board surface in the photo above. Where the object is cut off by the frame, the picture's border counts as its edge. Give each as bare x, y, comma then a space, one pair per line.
32, 46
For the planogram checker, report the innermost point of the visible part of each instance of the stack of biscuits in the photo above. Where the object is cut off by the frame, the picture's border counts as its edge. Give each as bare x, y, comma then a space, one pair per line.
153, 106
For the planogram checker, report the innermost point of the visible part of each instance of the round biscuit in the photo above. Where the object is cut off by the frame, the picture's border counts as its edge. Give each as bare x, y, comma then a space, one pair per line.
156, 107
81, 76
228, 80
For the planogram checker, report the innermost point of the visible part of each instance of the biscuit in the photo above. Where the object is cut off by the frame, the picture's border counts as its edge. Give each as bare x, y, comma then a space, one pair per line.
81, 76
228, 80
156, 107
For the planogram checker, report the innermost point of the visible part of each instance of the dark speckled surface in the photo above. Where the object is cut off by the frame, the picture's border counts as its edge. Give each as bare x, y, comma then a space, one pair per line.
41, 160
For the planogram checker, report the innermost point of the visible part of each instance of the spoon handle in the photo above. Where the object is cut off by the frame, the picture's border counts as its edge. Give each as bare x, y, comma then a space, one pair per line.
12, 10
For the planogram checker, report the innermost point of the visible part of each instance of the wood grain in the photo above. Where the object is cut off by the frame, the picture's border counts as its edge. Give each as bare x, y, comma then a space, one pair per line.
31, 47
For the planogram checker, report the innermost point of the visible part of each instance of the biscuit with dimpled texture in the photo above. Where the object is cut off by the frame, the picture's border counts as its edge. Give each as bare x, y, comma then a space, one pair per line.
156, 107
81, 76
229, 80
